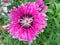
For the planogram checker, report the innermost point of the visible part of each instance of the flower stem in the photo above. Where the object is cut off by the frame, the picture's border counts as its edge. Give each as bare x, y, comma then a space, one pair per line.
29, 43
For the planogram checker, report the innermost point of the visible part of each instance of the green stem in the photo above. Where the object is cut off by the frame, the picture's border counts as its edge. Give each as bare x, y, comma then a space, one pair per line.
29, 43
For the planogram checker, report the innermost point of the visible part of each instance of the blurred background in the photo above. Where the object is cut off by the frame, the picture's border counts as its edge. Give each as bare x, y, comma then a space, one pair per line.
51, 34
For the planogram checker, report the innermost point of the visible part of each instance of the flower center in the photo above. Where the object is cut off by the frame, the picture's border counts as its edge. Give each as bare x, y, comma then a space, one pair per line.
26, 21
39, 8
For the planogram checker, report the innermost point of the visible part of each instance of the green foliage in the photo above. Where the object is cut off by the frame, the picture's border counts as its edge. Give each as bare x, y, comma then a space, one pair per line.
51, 34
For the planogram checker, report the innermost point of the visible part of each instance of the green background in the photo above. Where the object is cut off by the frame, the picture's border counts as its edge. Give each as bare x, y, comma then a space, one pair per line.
51, 34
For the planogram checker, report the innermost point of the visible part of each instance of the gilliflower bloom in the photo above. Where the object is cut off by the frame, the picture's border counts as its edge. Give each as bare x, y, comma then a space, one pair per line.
26, 22
41, 6
3, 9
6, 2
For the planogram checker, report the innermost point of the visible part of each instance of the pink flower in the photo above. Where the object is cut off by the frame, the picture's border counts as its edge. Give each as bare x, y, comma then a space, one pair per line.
42, 6
6, 2
3, 9
26, 22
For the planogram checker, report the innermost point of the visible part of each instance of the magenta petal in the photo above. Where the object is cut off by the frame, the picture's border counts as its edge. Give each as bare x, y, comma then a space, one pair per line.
24, 16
